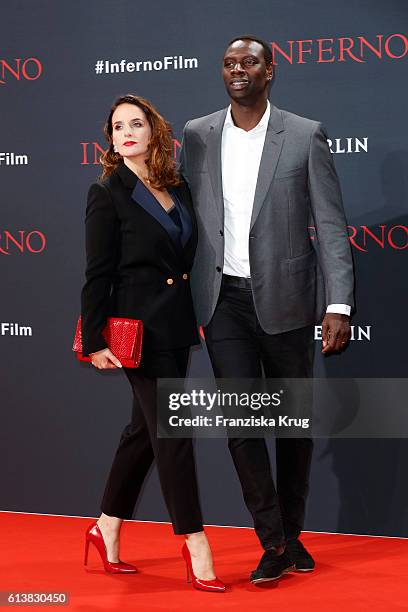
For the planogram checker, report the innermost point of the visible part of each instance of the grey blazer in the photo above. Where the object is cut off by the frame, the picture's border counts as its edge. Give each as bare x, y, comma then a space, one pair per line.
293, 277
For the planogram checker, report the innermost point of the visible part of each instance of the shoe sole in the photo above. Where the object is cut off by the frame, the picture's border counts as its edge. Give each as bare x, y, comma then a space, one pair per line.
285, 571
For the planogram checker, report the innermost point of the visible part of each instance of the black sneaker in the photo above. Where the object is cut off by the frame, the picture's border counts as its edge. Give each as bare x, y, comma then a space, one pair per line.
301, 558
271, 567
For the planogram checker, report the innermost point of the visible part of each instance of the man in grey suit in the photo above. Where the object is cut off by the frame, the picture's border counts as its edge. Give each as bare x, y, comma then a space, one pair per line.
260, 177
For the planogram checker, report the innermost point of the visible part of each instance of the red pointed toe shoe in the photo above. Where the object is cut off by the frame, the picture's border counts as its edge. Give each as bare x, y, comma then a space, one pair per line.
93, 534
212, 586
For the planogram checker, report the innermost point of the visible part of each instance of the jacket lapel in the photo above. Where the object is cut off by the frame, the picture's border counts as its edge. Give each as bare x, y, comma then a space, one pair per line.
182, 192
214, 139
275, 135
148, 202
142, 197
184, 218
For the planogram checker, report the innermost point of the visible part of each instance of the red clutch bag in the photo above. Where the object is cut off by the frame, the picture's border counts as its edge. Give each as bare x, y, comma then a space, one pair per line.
123, 337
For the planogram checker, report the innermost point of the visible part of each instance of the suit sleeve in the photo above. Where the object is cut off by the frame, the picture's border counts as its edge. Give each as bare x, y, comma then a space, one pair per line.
333, 246
183, 159
101, 240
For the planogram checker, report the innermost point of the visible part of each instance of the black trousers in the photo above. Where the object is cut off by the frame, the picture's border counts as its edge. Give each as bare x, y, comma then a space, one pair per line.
139, 446
239, 348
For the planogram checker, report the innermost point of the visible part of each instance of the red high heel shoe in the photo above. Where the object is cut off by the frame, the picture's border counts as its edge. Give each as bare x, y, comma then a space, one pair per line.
215, 586
93, 534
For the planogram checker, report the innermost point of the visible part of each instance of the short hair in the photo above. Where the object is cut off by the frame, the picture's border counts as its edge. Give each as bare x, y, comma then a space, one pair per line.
266, 47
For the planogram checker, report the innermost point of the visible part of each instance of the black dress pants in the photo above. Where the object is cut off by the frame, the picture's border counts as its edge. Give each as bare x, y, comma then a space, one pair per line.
239, 348
139, 446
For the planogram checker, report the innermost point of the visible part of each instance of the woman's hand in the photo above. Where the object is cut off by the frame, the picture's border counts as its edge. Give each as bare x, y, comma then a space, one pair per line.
105, 360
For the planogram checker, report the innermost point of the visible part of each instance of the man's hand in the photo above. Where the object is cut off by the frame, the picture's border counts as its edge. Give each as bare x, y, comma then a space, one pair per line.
336, 332
105, 360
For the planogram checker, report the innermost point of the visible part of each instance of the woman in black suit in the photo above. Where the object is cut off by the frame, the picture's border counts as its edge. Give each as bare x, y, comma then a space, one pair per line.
141, 237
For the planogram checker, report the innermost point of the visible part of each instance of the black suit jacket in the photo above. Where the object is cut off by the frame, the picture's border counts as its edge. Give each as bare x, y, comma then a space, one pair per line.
138, 263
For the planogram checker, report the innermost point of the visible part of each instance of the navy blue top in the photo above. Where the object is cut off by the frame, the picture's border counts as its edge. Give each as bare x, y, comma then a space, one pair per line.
175, 216
176, 222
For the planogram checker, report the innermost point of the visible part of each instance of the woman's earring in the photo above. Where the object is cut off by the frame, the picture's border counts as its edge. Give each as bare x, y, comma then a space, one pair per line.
115, 149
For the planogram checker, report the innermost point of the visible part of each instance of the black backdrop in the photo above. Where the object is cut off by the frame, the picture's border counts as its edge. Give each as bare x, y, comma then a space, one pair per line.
344, 64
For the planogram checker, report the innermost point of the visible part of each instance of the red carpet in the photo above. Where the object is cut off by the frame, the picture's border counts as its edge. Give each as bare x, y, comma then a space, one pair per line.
45, 554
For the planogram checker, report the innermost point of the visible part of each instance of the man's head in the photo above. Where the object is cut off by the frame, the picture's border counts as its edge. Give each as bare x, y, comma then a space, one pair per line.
247, 69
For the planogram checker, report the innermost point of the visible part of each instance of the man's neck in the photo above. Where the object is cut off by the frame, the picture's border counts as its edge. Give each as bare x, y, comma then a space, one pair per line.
248, 117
